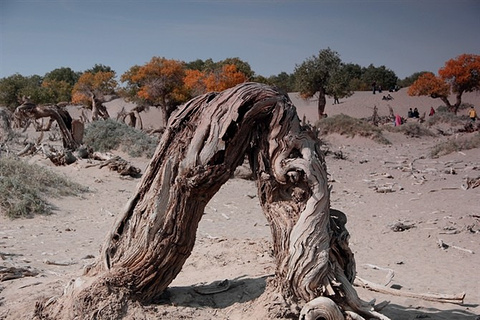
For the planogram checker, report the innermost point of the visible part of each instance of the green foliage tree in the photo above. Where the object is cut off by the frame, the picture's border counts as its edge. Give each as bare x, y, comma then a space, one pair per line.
15, 87
408, 81
58, 84
314, 75
64, 74
100, 68
283, 81
382, 76
354, 74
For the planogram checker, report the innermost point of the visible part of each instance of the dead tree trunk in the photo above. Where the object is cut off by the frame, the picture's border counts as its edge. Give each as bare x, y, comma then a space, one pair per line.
63, 118
203, 144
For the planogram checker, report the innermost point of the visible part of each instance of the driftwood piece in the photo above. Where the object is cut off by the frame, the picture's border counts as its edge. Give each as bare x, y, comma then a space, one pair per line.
10, 273
445, 298
116, 163
471, 183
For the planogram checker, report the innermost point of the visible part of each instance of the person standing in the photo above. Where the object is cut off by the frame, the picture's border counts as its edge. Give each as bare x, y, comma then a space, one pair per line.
472, 114
432, 111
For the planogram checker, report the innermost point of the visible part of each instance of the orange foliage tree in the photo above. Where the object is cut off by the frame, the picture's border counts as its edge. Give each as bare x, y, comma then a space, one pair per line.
219, 79
158, 83
459, 75
99, 84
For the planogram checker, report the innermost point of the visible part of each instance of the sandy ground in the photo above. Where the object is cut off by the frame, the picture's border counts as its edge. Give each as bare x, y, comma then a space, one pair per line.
233, 239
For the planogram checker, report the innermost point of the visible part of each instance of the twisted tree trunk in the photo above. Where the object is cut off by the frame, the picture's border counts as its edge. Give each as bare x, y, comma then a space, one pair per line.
203, 144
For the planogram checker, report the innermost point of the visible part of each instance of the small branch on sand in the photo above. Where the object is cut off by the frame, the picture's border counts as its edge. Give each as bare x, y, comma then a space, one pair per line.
444, 246
444, 298
56, 263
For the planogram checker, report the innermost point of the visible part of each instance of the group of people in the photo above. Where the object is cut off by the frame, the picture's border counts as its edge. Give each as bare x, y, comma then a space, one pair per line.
413, 113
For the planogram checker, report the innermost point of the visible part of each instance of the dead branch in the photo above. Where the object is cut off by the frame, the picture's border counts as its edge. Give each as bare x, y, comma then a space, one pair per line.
445, 298
116, 163
10, 273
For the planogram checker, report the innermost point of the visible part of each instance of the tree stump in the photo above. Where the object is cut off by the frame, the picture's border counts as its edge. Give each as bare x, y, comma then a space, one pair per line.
201, 147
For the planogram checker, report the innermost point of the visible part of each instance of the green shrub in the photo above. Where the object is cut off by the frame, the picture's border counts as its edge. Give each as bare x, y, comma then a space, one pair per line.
456, 145
110, 135
350, 127
24, 188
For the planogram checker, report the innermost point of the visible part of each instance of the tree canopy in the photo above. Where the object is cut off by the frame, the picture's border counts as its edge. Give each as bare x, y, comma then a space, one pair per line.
321, 74
459, 75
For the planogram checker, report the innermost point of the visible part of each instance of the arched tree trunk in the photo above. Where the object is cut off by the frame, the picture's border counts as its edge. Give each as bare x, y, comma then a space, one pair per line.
203, 144
63, 118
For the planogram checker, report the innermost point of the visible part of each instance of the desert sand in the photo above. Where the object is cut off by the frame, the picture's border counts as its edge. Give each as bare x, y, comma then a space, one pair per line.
395, 234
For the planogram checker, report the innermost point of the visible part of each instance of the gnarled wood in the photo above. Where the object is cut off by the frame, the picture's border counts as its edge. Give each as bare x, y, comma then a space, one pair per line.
201, 147
29, 110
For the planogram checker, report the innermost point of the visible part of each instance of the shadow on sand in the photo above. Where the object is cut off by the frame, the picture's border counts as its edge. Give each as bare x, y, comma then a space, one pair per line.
247, 289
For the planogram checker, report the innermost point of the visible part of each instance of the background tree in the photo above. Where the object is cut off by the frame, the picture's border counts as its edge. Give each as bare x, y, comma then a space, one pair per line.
382, 76
354, 74
158, 83
58, 84
241, 66
64, 74
408, 81
16, 86
339, 85
314, 74
214, 76
459, 75
99, 84
100, 68
283, 81
225, 77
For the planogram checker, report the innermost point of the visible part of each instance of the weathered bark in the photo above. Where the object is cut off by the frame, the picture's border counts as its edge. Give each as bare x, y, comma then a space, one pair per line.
203, 144
322, 102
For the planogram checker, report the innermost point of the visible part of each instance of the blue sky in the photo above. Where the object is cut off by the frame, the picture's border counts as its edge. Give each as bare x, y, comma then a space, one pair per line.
405, 36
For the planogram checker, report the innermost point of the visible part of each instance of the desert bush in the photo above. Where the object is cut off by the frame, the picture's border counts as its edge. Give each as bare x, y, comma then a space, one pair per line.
24, 188
350, 127
110, 135
444, 117
456, 145
412, 129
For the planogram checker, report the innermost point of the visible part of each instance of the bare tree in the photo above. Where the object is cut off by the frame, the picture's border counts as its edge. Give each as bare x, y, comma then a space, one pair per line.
203, 144
31, 111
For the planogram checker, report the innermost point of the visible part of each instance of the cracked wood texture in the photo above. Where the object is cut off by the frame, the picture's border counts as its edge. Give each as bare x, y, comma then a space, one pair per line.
205, 140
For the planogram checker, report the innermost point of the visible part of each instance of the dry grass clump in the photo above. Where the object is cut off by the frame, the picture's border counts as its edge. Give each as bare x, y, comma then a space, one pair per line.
109, 135
456, 145
350, 127
444, 117
413, 129
24, 188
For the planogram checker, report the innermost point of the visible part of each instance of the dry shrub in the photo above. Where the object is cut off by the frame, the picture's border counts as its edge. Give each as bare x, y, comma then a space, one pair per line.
413, 129
24, 188
456, 145
113, 135
350, 127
